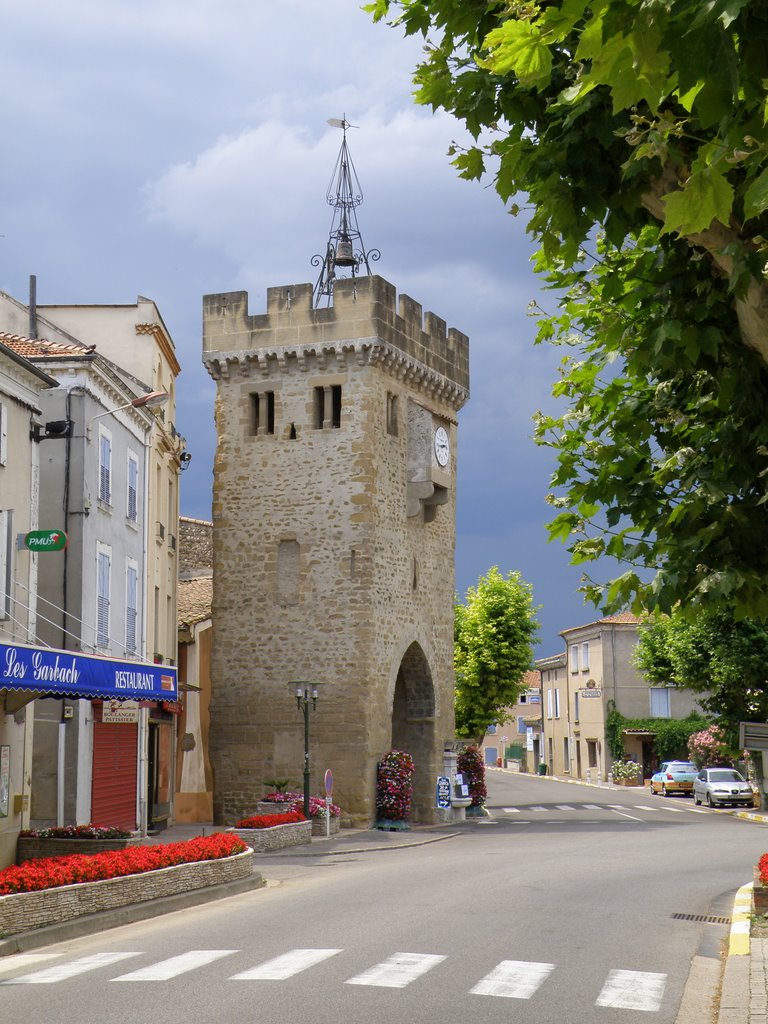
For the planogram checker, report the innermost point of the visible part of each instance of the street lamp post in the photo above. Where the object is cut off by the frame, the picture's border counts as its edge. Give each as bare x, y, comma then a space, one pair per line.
306, 700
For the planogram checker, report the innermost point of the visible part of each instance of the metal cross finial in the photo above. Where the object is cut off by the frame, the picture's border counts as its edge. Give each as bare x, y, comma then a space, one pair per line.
345, 249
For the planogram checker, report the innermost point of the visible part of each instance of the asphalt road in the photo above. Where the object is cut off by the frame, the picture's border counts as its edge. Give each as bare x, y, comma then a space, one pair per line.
569, 904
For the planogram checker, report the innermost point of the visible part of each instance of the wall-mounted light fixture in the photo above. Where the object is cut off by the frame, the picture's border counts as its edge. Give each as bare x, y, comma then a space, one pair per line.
50, 431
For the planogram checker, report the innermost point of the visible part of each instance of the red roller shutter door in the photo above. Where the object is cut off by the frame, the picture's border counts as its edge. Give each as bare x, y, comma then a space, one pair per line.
115, 765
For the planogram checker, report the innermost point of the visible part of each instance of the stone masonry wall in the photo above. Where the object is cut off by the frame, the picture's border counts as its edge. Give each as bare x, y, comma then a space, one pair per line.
320, 573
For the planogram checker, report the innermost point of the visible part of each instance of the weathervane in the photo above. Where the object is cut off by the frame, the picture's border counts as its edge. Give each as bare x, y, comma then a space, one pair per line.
345, 249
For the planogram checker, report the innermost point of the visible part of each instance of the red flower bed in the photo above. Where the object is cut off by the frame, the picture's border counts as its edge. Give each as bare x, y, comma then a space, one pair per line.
51, 872
762, 867
270, 820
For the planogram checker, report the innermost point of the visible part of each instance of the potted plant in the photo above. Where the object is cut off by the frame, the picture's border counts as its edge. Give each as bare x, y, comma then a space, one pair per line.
626, 773
470, 763
394, 790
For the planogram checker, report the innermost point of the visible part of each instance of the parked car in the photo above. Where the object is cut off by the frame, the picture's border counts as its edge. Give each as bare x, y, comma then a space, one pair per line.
674, 777
720, 786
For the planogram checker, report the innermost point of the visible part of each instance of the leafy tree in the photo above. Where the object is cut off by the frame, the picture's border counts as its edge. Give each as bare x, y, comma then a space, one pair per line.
493, 649
644, 123
715, 655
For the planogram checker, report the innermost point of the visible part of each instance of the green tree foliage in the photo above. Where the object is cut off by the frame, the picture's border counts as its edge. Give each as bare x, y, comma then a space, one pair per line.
713, 654
493, 649
643, 125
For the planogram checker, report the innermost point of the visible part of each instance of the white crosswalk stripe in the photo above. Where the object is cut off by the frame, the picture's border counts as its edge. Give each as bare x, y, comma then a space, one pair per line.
286, 966
176, 965
564, 807
513, 979
509, 979
60, 972
17, 960
633, 990
398, 970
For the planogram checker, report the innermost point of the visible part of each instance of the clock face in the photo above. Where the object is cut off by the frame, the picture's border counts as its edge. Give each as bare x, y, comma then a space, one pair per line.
442, 446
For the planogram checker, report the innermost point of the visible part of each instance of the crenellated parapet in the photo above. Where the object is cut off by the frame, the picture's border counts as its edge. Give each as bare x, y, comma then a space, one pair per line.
366, 325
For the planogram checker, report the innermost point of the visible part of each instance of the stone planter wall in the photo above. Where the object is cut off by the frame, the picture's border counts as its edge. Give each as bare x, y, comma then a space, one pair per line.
31, 849
319, 829
262, 840
22, 912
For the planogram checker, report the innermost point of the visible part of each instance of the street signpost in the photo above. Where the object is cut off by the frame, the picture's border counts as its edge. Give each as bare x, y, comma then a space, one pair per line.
753, 736
328, 795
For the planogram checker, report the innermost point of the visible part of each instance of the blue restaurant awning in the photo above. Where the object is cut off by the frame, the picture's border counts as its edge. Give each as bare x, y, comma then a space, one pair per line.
72, 674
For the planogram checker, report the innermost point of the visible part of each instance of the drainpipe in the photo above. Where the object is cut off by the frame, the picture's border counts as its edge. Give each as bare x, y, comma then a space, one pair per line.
143, 779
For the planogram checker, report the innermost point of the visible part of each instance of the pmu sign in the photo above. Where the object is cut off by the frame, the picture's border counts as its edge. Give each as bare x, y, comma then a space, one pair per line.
45, 540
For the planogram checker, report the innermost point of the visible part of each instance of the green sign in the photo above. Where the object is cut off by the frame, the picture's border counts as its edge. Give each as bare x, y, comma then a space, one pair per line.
45, 540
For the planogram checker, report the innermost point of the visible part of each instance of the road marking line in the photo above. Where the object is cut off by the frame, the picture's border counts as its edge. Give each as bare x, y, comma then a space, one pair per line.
673, 810
633, 990
511, 810
285, 966
176, 965
538, 808
564, 807
397, 971
642, 807
593, 807
63, 971
513, 979
624, 814
10, 963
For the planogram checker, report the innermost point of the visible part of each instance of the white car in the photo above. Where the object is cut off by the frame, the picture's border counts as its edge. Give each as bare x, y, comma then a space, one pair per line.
719, 786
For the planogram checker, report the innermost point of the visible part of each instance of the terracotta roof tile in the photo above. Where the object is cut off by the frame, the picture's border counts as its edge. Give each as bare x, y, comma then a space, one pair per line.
39, 348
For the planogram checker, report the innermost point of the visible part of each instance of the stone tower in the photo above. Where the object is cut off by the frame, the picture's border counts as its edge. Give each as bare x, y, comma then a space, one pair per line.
334, 534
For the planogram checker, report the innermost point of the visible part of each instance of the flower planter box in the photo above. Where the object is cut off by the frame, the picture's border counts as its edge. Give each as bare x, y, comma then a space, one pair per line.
319, 826
760, 894
635, 781
22, 912
263, 840
31, 849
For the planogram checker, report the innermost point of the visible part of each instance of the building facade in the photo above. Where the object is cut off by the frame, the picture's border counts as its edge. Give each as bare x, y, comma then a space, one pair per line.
111, 482
594, 673
516, 741
333, 541
22, 387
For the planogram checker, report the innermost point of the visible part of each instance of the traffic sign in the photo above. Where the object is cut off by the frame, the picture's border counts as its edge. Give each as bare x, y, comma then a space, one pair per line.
45, 540
328, 782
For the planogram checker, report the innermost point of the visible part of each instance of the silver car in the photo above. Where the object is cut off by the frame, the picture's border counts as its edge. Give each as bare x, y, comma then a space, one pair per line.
719, 786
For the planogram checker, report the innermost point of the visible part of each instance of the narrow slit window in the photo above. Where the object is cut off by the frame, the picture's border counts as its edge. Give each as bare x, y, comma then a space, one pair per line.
263, 413
327, 406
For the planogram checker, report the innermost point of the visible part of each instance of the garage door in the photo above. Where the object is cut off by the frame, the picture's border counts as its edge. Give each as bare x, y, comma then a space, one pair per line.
115, 764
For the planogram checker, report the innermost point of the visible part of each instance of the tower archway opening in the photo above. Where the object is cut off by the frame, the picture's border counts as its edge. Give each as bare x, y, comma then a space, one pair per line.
413, 727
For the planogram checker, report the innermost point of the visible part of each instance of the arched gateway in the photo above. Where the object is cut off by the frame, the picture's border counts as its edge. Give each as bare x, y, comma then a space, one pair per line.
333, 539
